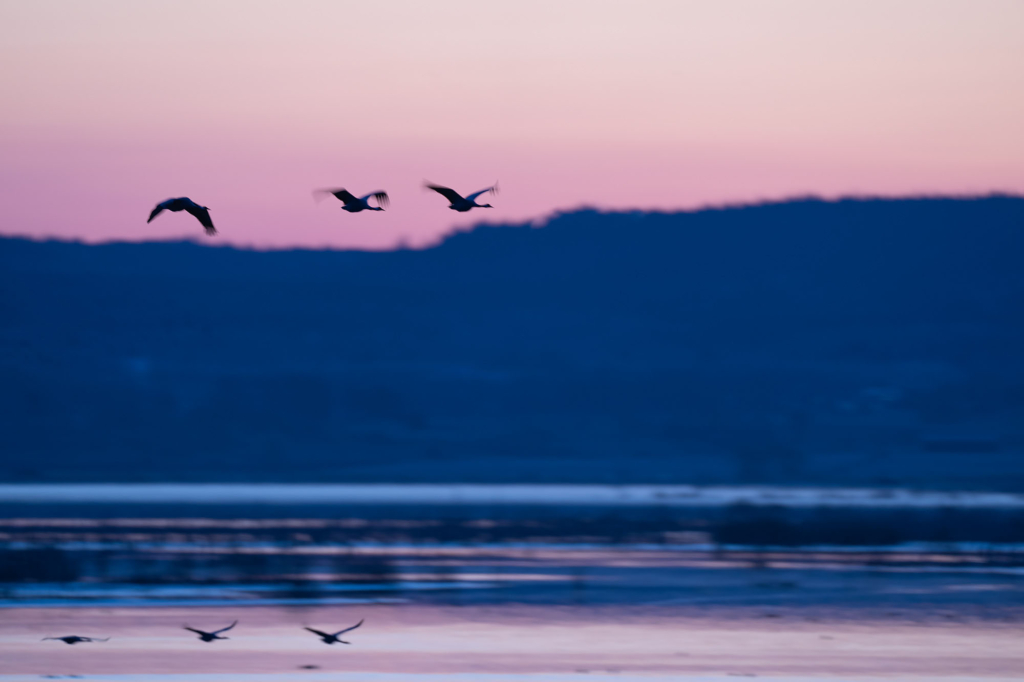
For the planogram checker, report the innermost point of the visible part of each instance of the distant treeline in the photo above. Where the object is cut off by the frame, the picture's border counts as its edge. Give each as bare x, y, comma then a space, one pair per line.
860, 342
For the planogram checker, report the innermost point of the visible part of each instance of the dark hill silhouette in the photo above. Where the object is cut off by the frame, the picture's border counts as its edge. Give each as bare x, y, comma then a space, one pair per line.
857, 342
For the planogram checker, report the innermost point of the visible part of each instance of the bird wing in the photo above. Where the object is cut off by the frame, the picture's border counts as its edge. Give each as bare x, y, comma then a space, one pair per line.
202, 214
341, 632
217, 632
317, 632
342, 194
493, 189
198, 632
156, 211
380, 196
449, 194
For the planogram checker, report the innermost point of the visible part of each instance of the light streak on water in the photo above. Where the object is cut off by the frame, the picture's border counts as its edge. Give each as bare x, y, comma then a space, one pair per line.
496, 495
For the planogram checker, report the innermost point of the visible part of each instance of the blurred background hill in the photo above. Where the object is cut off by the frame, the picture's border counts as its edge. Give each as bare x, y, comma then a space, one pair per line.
859, 342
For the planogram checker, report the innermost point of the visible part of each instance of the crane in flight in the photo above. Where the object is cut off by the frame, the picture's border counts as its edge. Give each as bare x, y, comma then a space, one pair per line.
201, 213
75, 639
328, 638
460, 203
354, 204
210, 636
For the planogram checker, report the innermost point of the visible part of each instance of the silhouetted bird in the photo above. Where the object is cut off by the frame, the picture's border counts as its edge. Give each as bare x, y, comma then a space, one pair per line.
210, 636
202, 213
354, 204
75, 639
331, 639
460, 204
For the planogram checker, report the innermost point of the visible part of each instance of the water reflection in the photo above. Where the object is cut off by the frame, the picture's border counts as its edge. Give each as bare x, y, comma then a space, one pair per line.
48, 561
540, 597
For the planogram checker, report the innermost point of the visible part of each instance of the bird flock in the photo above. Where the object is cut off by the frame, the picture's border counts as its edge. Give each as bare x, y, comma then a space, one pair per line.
350, 203
325, 637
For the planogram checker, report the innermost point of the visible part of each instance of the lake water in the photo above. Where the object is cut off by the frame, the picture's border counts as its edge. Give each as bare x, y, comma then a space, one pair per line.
505, 642
510, 583
491, 495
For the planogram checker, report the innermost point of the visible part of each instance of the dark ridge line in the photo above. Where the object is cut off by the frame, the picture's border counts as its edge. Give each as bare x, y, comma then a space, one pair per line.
545, 221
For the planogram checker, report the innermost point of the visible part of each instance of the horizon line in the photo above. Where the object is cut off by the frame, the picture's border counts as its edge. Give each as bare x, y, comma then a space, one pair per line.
538, 222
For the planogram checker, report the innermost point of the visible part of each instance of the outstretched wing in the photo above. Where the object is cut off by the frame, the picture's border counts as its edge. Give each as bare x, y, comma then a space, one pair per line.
198, 632
343, 195
217, 632
317, 632
451, 195
493, 189
341, 632
202, 214
156, 211
381, 197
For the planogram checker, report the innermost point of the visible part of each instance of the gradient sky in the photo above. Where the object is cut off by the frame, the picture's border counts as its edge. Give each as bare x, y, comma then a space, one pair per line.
111, 106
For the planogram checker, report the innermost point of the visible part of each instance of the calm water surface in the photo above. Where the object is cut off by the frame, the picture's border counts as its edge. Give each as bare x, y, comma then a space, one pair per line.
531, 587
516, 642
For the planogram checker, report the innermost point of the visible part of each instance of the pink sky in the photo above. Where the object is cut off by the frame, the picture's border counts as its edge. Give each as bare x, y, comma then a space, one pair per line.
247, 105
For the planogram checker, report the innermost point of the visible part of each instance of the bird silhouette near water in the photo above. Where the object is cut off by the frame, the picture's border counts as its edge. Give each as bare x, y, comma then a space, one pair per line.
458, 202
210, 636
201, 213
75, 639
354, 204
329, 638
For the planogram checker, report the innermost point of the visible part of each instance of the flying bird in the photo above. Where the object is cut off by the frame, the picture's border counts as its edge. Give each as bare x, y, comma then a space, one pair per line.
331, 639
354, 204
75, 639
460, 204
210, 636
202, 213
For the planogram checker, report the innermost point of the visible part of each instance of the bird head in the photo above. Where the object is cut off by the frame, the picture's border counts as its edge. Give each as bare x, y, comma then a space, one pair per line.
486, 206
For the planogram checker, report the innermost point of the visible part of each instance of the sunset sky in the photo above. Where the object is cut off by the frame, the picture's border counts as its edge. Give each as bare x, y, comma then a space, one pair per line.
111, 106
